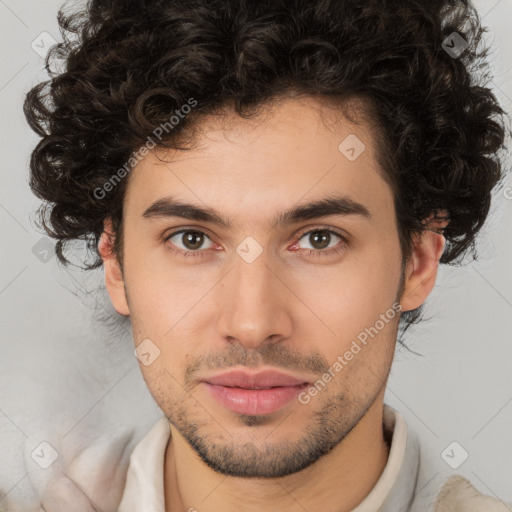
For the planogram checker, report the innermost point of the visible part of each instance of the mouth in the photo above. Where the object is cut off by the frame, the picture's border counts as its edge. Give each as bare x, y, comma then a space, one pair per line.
255, 394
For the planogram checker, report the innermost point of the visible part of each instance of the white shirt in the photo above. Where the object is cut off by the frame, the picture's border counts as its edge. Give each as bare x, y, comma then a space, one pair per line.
407, 483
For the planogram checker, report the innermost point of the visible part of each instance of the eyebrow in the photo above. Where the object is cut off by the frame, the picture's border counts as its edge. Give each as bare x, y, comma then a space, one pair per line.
332, 205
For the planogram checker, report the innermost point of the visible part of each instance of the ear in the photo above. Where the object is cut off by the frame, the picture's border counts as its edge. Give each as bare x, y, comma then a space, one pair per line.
421, 270
114, 280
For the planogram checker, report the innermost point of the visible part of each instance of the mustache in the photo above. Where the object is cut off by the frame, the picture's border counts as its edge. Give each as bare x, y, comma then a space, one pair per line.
277, 356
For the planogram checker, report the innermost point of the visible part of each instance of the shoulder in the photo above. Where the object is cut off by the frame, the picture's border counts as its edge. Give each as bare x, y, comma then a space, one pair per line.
458, 495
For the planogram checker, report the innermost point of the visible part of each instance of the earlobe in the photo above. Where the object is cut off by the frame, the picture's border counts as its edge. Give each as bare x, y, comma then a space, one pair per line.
421, 271
114, 281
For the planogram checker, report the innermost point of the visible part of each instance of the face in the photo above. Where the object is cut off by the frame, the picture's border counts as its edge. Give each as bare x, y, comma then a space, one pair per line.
255, 294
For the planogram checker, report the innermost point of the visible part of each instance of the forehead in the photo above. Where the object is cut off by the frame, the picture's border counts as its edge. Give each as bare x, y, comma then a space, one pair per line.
292, 152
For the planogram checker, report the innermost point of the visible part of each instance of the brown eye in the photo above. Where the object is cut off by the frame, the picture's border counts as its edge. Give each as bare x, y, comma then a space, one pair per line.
320, 239
190, 240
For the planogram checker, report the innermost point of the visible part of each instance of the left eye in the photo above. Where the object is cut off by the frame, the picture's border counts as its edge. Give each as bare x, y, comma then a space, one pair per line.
321, 238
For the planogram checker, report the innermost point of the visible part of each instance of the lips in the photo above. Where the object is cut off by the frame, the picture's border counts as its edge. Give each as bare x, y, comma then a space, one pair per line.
262, 380
256, 394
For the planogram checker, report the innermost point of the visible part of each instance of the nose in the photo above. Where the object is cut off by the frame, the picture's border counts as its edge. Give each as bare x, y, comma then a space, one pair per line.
255, 304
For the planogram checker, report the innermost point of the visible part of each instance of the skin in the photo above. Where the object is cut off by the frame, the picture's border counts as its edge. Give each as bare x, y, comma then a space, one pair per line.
287, 310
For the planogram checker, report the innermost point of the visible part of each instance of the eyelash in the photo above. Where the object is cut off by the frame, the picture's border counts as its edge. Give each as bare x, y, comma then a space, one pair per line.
311, 252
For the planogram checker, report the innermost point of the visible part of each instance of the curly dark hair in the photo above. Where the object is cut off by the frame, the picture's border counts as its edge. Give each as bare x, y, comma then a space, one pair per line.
127, 65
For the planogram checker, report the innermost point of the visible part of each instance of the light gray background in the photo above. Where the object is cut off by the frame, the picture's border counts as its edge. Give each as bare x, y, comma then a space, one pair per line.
64, 375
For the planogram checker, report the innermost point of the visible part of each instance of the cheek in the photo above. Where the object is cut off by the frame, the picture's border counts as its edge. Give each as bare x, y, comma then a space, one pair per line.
161, 294
360, 352
358, 305
354, 294
164, 386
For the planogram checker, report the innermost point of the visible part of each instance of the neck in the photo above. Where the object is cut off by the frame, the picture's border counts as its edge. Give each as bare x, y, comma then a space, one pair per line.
337, 482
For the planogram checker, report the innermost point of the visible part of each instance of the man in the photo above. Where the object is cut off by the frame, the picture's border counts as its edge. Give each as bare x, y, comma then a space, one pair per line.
270, 188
